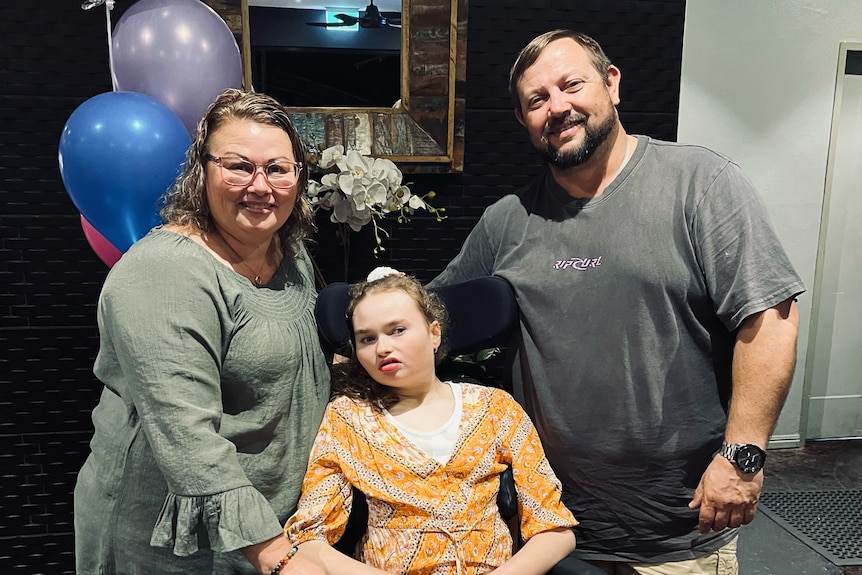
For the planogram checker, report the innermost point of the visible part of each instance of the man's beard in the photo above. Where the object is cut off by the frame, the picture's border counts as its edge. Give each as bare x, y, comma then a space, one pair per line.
594, 136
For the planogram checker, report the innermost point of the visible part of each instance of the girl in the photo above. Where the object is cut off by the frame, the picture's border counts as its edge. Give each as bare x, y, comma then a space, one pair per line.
427, 454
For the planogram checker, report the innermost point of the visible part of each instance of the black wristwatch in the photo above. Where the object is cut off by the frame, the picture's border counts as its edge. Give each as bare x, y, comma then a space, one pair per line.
748, 457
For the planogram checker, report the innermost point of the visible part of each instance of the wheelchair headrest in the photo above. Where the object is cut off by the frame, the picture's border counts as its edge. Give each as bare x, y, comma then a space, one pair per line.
482, 314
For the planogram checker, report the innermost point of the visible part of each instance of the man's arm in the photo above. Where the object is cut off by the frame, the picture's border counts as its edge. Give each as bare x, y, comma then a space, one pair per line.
764, 357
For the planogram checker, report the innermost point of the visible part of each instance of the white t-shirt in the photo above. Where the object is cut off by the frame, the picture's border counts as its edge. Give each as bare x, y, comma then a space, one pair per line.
437, 443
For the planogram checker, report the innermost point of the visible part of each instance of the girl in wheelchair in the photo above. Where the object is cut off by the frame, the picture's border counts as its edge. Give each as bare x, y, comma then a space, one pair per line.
427, 454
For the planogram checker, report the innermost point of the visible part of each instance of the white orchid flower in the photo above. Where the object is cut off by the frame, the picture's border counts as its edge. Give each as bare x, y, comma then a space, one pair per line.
385, 171
327, 200
394, 175
349, 184
356, 164
375, 195
314, 189
330, 181
331, 156
359, 195
344, 212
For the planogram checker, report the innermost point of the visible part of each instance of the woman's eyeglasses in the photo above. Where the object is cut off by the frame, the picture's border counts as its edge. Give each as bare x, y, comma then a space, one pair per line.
237, 171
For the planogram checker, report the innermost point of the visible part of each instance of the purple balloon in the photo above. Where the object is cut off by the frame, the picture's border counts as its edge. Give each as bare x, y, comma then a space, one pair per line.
179, 52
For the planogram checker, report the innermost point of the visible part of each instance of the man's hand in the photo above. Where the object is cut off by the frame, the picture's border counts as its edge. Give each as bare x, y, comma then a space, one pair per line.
725, 496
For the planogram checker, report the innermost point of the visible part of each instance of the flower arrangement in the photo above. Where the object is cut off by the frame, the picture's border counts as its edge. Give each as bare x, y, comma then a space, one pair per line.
360, 189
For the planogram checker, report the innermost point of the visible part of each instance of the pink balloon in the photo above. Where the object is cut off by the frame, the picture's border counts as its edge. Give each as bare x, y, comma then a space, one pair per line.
103, 248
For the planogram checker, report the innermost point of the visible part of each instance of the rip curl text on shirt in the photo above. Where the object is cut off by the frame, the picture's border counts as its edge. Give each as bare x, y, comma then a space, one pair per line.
579, 264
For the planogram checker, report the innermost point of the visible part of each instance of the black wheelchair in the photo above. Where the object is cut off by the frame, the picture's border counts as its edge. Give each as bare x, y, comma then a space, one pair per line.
483, 313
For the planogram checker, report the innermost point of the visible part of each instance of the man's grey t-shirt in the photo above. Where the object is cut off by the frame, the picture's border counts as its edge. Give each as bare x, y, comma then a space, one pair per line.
629, 305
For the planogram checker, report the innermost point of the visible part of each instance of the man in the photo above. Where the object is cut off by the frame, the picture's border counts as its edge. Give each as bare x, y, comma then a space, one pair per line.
653, 292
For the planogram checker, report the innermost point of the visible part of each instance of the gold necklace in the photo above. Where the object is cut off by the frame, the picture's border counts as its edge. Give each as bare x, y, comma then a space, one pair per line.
256, 275
256, 279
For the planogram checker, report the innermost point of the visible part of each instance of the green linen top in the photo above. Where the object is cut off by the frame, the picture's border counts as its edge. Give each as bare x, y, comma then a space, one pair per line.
215, 383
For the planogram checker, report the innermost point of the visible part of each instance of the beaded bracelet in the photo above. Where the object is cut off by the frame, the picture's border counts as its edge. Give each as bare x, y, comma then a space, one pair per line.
284, 560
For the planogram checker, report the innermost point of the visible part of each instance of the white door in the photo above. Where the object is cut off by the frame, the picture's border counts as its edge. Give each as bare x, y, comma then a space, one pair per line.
833, 378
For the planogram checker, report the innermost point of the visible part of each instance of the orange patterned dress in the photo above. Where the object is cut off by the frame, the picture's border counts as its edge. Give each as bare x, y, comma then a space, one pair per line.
426, 518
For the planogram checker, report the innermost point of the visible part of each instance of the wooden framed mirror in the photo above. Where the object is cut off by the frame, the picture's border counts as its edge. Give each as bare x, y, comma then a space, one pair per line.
424, 131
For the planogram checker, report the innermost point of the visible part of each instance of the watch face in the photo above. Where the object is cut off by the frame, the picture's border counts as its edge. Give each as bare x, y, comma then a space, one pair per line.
750, 458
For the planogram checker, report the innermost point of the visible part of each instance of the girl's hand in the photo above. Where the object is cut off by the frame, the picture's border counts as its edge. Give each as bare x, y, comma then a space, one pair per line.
299, 565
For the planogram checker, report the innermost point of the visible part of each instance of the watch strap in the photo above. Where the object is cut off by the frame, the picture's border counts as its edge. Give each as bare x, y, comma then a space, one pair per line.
730, 450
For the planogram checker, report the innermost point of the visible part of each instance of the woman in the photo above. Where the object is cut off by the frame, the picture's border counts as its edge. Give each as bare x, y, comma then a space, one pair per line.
214, 382
427, 454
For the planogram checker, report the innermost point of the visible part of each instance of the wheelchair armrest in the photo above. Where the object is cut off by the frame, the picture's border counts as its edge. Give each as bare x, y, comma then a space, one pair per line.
507, 497
574, 566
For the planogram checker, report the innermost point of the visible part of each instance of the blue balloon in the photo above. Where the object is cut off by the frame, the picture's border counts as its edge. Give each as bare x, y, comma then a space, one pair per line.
119, 152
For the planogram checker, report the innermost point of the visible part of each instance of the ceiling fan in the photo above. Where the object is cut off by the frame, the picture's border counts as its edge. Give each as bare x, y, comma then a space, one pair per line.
371, 18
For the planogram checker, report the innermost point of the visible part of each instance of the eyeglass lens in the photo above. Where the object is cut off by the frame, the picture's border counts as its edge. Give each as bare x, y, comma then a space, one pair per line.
237, 171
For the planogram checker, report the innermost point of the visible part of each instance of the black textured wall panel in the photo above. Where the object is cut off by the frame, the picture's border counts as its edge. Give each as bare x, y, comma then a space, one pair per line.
53, 56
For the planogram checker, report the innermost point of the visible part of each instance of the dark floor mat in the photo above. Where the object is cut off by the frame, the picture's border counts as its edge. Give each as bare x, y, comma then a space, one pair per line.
830, 522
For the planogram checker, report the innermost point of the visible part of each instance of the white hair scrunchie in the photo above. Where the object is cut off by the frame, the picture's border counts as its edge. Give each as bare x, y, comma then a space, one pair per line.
381, 272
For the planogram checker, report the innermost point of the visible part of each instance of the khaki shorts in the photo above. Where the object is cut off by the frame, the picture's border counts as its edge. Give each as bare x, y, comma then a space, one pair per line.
722, 561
